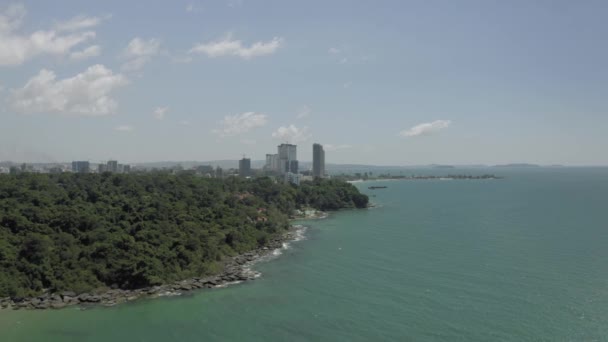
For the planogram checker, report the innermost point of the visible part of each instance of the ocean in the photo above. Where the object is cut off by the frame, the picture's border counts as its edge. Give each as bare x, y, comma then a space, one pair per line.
524, 258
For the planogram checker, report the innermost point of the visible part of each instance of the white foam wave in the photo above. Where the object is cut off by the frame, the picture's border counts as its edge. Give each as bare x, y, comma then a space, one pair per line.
169, 294
221, 286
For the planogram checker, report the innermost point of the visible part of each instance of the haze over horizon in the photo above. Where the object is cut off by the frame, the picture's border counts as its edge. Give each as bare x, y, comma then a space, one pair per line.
377, 83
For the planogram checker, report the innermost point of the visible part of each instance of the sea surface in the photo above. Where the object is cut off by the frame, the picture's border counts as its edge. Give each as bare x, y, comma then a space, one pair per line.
523, 258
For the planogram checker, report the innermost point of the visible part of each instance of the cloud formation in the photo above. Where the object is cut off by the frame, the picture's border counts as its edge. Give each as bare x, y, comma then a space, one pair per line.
124, 128
78, 23
192, 7
292, 134
91, 51
139, 52
303, 112
86, 94
240, 123
17, 48
231, 47
160, 112
426, 128
333, 51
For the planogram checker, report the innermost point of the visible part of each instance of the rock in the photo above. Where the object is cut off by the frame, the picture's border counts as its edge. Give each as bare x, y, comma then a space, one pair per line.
42, 305
57, 305
94, 299
185, 287
83, 297
68, 294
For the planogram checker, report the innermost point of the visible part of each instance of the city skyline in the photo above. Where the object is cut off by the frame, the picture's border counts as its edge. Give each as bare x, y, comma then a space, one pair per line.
213, 80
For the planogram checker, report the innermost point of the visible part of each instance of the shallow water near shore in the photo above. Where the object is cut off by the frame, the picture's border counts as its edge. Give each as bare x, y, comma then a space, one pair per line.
522, 258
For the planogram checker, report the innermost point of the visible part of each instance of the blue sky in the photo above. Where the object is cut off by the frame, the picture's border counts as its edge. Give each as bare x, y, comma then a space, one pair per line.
377, 82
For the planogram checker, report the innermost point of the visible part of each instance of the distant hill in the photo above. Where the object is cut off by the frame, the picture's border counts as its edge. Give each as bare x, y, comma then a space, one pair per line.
518, 165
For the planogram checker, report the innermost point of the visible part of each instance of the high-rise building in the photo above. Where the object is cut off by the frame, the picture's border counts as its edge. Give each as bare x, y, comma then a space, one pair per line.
245, 167
292, 178
81, 167
112, 166
293, 166
287, 153
272, 162
318, 161
101, 168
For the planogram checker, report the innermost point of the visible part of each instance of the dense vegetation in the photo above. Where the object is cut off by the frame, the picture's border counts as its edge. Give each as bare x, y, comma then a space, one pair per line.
86, 231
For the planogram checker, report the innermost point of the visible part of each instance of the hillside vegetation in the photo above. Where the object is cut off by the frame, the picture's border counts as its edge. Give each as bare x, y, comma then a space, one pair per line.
82, 232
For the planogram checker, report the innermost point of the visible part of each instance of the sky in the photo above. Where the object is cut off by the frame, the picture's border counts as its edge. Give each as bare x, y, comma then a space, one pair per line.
375, 82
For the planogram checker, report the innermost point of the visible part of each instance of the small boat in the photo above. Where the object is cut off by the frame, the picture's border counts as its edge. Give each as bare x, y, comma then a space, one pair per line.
377, 187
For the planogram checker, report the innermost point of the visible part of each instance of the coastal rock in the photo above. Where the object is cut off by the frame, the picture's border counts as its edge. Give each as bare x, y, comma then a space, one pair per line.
234, 269
57, 305
68, 294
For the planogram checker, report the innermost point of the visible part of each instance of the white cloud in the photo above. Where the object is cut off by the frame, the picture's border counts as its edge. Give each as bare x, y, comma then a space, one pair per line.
248, 141
78, 23
230, 47
192, 7
138, 47
292, 134
139, 52
124, 128
91, 51
426, 128
184, 122
347, 85
16, 48
240, 123
303, 112
11, 17
330, 147
86, 94
333, 51
160, 112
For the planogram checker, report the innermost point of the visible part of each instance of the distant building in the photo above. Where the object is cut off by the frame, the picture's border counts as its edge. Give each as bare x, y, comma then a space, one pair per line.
55, 170
112, 166
245, 167
126, 168
272, 163
219, 173
318, 161
101, 168
292, 166
287, 153
81, 167
292, 178
204, 169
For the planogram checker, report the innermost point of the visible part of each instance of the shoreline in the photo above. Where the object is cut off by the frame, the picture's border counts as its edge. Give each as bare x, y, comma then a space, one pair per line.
236, 270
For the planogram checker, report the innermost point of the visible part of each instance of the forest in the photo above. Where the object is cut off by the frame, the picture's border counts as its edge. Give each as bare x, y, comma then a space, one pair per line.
82, 232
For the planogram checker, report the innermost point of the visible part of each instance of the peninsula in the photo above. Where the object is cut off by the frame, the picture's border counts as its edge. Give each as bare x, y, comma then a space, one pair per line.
94, 238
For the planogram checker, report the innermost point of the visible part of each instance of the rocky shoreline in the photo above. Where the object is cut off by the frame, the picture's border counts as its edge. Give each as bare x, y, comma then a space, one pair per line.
235, 270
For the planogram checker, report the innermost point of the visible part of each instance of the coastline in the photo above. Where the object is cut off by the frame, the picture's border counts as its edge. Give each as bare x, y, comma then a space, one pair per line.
236, 270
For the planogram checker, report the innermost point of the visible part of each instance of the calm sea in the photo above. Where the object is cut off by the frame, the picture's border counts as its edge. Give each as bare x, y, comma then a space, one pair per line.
524, 258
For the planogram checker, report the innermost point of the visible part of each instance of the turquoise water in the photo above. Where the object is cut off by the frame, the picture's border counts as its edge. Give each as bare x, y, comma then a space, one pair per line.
519, 259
